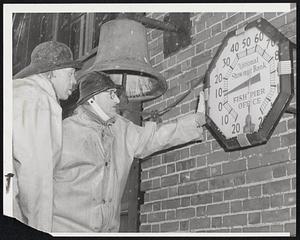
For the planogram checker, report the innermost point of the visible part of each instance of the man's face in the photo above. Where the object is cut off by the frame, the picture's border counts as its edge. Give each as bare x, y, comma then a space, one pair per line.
108, 101
64, 82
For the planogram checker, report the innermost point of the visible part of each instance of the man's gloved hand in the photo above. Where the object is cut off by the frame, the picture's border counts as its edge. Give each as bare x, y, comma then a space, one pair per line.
200, 114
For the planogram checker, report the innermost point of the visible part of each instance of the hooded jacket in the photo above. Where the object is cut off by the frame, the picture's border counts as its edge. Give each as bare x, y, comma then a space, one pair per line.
90, 178
37, 141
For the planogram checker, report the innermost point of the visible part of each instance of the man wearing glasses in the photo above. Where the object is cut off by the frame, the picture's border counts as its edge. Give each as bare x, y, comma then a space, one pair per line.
98, 149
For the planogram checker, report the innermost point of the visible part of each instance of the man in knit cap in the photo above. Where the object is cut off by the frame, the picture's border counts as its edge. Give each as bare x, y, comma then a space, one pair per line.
98, 149
37, 130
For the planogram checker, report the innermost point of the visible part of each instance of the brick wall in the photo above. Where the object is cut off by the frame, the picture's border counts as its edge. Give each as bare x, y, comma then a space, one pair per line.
200, 187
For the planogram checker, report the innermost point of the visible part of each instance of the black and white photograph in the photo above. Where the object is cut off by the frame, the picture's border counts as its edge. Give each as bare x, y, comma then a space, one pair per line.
149, 119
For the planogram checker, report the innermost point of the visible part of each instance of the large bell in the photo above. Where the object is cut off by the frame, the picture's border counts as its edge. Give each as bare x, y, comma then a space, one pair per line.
123, 53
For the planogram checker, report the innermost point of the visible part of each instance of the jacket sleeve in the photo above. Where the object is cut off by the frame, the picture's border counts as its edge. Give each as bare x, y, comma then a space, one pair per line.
153, 137
33, 163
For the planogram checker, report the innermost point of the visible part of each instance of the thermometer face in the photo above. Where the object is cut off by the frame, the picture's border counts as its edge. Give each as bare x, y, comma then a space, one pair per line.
243, 83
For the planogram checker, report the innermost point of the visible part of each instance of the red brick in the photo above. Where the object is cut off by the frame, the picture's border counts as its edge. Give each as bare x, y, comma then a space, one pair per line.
146, 163
294, 183
293, 213
186, 54
169, 204
290, 199
269, 15
156, 183
186, 65
216, 222
217, 209
236, 229
278, 22
217, 17
291, 16
276, 187
234, 166
156, 160
158, 194
279, 171
256, 204
146, 207
171, 215
255, 191
202, 186
169, 180
155, 228
156, 206
280, 128
156, 33
159, 171
146, 185
276, 201
292, 153
145, 228
173, 191
187, 77
199, 149
169, 227
271, 145
170, 168
216, 170
236, 18
201, 211
201, 58
236, 206
143, 218
201, 199
184, 225
185, 201
257, 229
234, 155
172, 71
217, 196
187, 189
184, 153
235, 220
291, 168
288, 139
215, 40
254, 218
254, 160
200, 47
187, 164
171, 114
144, 175
171, 156
227, 181
275, 215
292, 123
171, 61
291, 228
215, 145
185, 108
199, 26
197, 223
199, 174
217, 157
172, 92
156, 217
185, 213
259, 174
236, 193
276, 228
184, 177
201, 36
